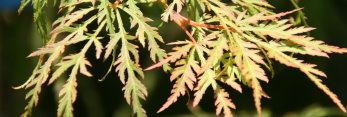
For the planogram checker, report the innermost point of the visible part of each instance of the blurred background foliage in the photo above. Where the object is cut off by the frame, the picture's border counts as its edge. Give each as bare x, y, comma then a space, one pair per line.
292, 94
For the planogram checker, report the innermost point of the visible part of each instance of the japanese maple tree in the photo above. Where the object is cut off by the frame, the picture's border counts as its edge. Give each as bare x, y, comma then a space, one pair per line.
231, 42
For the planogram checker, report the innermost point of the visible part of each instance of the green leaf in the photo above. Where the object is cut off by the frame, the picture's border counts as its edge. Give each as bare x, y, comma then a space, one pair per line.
134, 90
145, 30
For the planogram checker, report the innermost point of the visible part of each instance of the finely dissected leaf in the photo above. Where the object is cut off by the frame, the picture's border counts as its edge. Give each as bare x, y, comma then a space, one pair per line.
145, 30
64, 65
257, 94
278, 31
76, 33
123, 61
184, 76
317, 45
114, 38
215, 54
308, 69
134, 90
229, 74
98, 48
75, 16
183, 73
107, 13
207, 79
223, 103
246, 60
261, 16
56, 50
304, 50
173, 56
38, 77
68, 93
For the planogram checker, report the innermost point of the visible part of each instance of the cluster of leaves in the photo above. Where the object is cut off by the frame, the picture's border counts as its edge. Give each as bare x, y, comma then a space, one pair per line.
230, 43
73, 24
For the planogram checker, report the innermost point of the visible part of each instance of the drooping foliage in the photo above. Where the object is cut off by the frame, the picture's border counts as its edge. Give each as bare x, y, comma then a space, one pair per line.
231, 42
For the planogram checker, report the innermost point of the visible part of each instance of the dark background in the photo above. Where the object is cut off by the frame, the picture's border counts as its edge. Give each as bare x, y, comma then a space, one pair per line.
292, 94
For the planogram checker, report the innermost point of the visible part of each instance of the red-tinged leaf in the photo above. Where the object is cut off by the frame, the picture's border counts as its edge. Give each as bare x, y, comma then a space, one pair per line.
44, 70
128, 69
68, 95
46, 50
173, 98
132, 48
184, 76
326, 90
270, 30
179, 88
292, 62
332, 49
98, 48
231, 82
261, 17
223, 103
257, 94
66, 63
310, 43
247, 44
253, 54
114, 38
144, 31
278, 15
279, 30
254, 19
83, 69
147, 32
205, 80
304, 67
173, 56
217, 52
75, 16
298, 30
304, 50
124, 63
246, 61
134, 90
